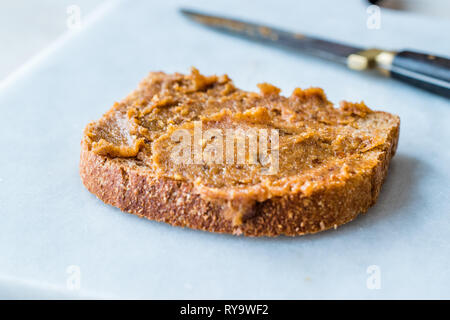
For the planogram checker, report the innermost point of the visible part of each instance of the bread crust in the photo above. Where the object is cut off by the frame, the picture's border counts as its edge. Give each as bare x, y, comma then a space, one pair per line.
176, 203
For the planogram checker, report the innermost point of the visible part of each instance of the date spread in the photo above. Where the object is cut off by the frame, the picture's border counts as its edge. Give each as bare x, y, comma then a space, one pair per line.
237, 148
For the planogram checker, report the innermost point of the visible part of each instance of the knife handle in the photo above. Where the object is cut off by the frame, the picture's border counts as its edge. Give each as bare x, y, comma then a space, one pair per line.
424, 71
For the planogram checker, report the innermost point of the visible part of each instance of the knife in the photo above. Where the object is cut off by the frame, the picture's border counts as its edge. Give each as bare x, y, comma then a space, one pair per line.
422, 70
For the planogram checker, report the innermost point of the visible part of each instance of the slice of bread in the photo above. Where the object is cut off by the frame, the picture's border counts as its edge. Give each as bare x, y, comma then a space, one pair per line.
311, 166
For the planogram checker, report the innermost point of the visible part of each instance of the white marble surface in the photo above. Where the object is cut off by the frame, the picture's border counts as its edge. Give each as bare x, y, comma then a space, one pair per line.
27, 27
48, 221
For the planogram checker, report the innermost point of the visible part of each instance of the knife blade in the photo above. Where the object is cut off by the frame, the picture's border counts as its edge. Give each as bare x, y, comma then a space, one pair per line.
261, 33
422, 70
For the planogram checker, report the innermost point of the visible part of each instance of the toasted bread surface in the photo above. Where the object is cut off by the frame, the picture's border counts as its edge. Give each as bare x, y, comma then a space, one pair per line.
313, 166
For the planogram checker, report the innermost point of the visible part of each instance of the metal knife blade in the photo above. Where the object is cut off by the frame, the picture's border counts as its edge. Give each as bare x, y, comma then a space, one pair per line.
330, 50
422, 70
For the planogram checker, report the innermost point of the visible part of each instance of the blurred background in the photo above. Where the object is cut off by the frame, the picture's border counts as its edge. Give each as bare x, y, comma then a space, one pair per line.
28, 27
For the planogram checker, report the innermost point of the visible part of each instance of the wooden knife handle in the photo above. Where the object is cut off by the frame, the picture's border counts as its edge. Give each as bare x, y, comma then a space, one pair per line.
425, 71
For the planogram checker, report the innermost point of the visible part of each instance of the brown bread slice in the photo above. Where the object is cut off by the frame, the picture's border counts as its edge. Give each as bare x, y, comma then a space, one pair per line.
332, 161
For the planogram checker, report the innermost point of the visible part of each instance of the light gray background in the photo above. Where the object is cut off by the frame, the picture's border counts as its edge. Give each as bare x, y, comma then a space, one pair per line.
49, 222
28, 27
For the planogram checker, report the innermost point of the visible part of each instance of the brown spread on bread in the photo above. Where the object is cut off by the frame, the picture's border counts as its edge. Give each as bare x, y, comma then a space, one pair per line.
318, 145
